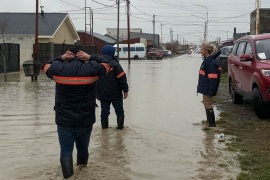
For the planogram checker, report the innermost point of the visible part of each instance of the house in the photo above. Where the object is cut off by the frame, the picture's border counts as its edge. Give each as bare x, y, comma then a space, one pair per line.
264, 23
238, 35
52, 28
98, 40
152, 39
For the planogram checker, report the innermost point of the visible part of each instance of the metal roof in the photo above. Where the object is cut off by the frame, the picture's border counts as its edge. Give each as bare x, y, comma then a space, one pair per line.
104, 38
24, 23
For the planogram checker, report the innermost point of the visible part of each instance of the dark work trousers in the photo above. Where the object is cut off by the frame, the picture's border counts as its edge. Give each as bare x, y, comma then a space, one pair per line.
105, 108
69, 135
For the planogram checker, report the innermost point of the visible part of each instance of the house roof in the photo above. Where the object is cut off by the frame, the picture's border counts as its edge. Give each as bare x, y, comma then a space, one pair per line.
104, 38
24, 23
101, 37
113, 37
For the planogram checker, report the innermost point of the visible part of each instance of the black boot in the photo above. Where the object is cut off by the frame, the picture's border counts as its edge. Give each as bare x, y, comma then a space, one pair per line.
120, 122
211, 117
104, 123
67, 166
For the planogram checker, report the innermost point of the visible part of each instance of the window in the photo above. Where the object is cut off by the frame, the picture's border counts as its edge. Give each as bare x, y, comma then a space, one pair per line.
248, 49
262, 48
240, 49
228, 50
139, 48
234, 49
125, 49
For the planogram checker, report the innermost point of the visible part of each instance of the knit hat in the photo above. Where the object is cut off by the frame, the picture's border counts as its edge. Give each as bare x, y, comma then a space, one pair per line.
108, 49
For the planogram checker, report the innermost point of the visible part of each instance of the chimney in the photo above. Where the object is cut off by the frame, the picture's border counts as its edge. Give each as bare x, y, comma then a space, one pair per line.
234, 31
42, 12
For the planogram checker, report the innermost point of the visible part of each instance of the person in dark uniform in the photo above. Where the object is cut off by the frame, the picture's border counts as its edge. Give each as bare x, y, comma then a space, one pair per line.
112, 88
209, 78
75, 74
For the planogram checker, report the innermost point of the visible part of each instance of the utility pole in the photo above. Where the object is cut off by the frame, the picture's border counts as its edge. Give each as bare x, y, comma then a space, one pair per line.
258, 16
161, 34
128, 25
90, 24
92, 28
36, 38
154, 30
118, 20
84, 36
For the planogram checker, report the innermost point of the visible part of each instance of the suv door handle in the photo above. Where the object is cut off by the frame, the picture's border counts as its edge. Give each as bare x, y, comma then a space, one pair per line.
240, 67
232, 64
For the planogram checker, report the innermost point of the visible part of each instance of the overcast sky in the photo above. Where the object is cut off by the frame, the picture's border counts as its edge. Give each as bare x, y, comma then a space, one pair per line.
186, 18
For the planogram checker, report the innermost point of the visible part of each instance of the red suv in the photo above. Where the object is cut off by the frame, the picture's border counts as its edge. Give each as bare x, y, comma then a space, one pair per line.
249, 72
155, 53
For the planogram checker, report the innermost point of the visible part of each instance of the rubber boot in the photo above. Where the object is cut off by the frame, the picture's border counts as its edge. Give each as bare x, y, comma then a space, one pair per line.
120, 122
211, 117
104, 123
67, 166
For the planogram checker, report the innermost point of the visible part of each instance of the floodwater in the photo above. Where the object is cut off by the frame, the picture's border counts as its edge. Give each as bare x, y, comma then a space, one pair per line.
162, 139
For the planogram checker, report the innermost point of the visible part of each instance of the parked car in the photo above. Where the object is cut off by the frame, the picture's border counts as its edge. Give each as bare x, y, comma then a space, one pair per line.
249, 72
222, 59
155, 53
167, 53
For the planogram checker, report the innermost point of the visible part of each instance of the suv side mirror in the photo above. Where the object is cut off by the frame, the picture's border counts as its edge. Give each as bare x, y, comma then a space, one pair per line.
245, 57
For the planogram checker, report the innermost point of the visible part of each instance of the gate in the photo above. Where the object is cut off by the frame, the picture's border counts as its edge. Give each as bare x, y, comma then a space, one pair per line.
9, 57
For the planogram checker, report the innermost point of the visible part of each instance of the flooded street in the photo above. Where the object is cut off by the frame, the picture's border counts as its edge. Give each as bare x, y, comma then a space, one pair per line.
162, 139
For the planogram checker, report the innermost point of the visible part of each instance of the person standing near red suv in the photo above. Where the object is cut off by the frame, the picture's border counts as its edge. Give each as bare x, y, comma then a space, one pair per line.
209, 77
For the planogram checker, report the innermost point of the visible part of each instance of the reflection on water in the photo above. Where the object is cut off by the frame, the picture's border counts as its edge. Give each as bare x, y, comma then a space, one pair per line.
160, 140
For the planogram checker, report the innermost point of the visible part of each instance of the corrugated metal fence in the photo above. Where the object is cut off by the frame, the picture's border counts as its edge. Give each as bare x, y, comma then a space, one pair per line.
48, 51
9, 57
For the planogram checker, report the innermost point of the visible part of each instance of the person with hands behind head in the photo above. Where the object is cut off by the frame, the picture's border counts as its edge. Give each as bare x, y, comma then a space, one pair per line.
112, 88
75, 73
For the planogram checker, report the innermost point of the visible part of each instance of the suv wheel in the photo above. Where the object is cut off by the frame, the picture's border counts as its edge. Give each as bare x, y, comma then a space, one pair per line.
236, 98
261, 109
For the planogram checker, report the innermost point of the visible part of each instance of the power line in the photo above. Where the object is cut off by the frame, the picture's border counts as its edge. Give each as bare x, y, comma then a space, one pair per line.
70, 4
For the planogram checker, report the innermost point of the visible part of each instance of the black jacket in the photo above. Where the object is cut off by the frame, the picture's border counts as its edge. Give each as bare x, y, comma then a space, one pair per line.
209, 76
112, 85
75, 89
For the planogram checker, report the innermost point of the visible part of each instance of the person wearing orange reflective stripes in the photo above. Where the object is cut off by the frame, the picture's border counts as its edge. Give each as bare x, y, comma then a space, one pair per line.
112, 88
209, 77
75, 74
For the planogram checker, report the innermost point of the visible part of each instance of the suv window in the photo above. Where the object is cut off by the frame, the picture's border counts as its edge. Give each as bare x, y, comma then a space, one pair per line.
248, 49
240, 49
234, 49
262, 48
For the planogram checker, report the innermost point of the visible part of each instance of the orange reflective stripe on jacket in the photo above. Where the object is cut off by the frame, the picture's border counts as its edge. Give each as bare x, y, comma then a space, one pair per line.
75, 80
202, 72
107, 67
121, 74
212, 76
46, 67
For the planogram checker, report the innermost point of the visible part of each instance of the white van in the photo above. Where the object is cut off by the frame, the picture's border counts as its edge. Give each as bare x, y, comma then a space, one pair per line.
137, 51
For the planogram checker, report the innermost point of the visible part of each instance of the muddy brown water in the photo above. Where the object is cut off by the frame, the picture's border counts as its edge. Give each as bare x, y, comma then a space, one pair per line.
163, 138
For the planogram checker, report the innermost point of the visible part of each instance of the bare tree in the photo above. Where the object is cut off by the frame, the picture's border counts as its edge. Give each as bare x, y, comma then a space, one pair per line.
3, 26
